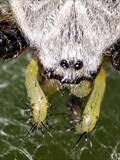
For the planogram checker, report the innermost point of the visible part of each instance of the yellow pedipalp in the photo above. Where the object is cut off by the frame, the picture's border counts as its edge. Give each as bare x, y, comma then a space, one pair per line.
40, 104
37, 98
92, 108
82, 89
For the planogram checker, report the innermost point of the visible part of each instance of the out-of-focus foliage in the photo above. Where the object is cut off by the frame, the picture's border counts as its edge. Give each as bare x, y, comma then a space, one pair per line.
102, 144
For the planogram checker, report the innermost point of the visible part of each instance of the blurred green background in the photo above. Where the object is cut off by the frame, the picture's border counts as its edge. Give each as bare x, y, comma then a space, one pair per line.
102, 144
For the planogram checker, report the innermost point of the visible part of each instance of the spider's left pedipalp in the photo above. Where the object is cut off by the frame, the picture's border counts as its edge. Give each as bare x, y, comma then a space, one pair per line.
92, 109
37, 95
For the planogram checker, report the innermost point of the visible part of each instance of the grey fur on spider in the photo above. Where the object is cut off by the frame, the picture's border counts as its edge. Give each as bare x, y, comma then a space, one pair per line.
70, 39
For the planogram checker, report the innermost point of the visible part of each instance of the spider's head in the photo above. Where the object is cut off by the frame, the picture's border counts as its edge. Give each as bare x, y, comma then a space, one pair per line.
69, 66
68, 46
68, 72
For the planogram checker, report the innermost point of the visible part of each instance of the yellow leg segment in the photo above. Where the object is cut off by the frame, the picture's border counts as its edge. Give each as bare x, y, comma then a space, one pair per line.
37, 98
92, 109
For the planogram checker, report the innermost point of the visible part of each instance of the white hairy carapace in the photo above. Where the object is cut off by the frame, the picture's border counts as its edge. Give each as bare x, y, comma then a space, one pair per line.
72, 30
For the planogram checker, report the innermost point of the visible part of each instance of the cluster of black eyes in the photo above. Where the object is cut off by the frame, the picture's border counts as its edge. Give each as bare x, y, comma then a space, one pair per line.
77, 66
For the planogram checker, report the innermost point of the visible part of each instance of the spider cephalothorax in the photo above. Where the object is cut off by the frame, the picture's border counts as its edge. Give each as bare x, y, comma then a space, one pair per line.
70, 40
69, 31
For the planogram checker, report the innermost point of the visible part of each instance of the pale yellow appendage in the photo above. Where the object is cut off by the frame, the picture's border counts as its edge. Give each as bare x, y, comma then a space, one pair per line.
92, 108
37, 98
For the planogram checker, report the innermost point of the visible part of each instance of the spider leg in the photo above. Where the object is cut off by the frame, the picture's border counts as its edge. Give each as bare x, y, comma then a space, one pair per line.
37, 94
12, 42
91, 112
114, 53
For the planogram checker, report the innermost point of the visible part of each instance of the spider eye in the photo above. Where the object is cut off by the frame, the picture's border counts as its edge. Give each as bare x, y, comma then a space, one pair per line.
78, 65
64, 64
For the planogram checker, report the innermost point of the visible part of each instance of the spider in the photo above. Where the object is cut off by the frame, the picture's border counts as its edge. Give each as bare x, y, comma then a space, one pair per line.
70, 41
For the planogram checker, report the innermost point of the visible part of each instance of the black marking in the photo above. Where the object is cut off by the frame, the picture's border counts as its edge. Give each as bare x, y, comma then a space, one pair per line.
49, 74
94, 73
12, 42
114, 53
116, 61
